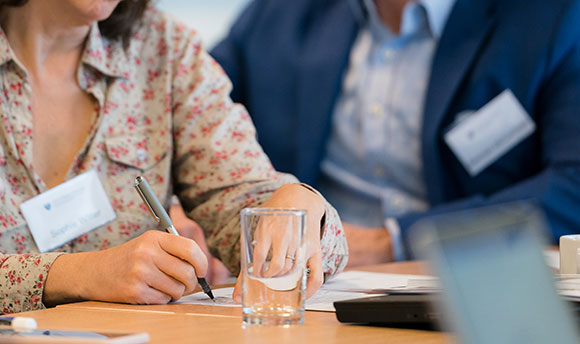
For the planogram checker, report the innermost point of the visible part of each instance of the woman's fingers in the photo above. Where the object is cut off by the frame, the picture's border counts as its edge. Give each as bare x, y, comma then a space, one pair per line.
261, 250
151, 296
165, 284
158, 267
276, 243
186, 250
291, 259
237, 295
316, 276
178, 270
280, 244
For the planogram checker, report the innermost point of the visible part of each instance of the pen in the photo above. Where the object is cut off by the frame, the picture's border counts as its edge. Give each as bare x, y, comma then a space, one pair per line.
18, 323
161, 216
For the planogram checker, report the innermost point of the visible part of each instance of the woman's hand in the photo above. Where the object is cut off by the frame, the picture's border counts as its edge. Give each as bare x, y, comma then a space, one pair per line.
298, 197
153, 268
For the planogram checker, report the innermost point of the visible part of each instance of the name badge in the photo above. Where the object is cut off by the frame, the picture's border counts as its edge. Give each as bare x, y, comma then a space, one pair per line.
482, 137
67, 211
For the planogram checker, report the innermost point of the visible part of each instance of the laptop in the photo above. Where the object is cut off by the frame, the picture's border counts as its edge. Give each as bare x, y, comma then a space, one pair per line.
496, 287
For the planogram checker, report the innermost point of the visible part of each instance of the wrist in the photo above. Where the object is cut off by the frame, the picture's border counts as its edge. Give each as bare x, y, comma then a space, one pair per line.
306, 198
65, 281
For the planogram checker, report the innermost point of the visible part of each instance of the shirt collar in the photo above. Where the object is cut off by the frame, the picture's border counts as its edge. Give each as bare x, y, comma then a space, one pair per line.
5, 50
437, 12
107, 57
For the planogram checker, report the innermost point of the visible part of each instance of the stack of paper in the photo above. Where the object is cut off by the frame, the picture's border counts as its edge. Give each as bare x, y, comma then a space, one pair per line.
345, 286
569, 286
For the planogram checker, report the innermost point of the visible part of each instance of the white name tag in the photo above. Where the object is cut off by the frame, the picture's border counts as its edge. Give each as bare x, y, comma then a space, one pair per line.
67, 211
484, 136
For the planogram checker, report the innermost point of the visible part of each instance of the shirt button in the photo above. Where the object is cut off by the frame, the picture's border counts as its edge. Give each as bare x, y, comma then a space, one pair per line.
397, 202
376, 110
388, 54
141, 154
379, 172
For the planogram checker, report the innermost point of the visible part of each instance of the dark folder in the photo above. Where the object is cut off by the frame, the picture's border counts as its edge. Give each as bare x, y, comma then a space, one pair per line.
398, 310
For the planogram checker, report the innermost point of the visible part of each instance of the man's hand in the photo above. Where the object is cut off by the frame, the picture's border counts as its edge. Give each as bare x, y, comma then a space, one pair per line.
367, 246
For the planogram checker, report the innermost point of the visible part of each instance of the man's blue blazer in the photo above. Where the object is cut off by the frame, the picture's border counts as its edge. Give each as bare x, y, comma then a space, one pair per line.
287, 60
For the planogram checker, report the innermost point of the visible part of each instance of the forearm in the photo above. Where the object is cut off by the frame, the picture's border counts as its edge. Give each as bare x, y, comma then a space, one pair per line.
67, 279
23, 281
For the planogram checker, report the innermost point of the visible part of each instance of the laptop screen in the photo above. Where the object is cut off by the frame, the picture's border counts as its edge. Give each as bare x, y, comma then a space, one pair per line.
497, 288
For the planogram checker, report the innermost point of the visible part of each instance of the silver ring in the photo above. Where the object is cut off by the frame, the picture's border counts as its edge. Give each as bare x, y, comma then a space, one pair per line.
292, 258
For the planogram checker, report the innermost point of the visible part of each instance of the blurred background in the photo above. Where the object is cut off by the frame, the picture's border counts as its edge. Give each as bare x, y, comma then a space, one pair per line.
211, 18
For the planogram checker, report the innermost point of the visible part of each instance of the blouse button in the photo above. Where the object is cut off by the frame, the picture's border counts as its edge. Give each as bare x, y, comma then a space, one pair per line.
141, 154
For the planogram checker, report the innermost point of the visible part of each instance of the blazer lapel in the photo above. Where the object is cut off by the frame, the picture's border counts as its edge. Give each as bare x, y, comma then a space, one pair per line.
321, 65
469, 24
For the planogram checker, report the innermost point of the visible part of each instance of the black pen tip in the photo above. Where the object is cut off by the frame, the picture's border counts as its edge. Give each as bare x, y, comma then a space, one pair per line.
206, 288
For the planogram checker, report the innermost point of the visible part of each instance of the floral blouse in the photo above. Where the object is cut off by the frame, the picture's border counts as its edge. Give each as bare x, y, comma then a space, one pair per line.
164, 112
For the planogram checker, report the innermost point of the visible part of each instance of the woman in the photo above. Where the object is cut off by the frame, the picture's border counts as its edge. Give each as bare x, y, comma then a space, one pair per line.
117, 88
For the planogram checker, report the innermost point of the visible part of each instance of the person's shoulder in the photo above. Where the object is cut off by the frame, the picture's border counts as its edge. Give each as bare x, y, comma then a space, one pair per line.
162, 29
552, 9
540, 19
297, 17
300, 8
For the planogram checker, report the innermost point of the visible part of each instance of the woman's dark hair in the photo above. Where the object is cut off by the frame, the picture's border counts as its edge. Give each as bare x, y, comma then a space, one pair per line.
118, 26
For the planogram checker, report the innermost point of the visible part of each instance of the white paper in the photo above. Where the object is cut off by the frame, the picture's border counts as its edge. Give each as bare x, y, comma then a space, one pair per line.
357, 281
322, 300
223, 297
351, 284
345, 286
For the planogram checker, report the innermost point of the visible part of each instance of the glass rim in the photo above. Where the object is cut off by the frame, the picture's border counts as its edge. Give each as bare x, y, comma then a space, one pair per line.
273, 211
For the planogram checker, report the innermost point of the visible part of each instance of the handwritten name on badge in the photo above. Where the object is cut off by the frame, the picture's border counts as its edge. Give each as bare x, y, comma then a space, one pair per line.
67, 211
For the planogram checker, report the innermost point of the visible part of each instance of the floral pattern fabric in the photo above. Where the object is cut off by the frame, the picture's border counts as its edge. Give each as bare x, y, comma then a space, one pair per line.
163, 111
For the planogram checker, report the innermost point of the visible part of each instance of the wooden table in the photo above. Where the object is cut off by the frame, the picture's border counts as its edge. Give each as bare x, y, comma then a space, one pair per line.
205, 324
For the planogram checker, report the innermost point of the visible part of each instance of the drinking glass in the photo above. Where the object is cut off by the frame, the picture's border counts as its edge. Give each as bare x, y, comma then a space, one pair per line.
273, 266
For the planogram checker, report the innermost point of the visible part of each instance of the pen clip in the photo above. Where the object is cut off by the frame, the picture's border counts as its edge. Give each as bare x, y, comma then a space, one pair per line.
138, 187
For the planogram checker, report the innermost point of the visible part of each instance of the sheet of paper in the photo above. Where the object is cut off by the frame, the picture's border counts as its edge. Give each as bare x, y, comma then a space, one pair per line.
320, 301
345, 286
323, 300
356, 284
367, 281
223, 297
569, 294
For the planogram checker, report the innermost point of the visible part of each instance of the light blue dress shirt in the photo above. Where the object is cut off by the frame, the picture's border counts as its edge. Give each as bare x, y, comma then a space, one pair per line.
373, 168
